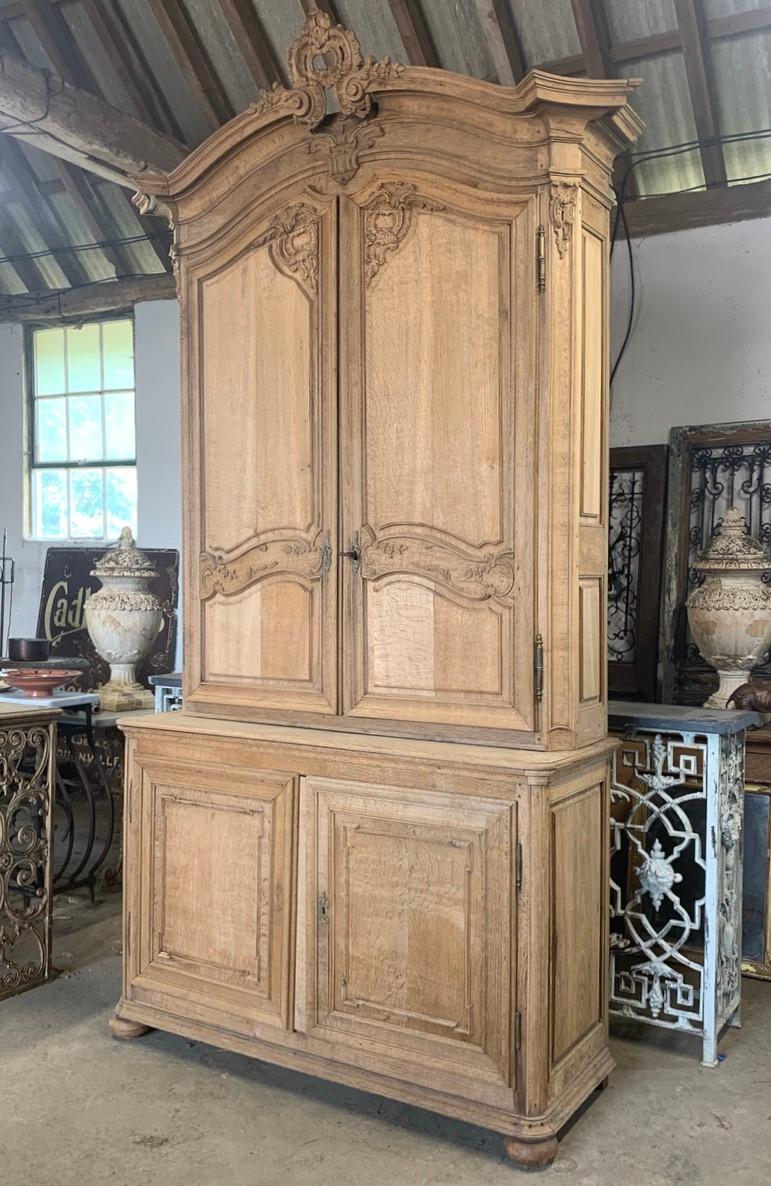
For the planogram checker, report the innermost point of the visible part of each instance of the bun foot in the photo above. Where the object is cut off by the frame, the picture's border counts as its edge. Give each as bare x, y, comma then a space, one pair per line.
531, 1155
125, 1030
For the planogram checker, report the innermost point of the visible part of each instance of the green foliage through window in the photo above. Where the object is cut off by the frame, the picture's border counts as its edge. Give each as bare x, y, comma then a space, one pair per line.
84, 482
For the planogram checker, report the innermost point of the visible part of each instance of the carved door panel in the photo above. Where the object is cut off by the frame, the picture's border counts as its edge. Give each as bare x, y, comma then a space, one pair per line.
405, 935
212, 939
437, 425
264, 437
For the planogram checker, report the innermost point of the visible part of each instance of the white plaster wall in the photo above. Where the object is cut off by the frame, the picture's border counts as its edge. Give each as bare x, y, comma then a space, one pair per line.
158, 449
700, 351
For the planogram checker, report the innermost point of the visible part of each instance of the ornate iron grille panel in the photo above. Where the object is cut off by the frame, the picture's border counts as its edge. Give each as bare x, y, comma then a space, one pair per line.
712, 468
676, 846
635, 536
25, 846
624, 546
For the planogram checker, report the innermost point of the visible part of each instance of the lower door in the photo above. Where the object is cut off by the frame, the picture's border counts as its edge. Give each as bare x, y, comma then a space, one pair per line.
210, 936
405, 934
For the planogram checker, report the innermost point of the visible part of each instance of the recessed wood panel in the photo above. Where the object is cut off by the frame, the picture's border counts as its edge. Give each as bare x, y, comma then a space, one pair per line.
592, 374
436, 418
413, 948
267, 631
258, 402
591, 634
214, 919
578, 832
262, 549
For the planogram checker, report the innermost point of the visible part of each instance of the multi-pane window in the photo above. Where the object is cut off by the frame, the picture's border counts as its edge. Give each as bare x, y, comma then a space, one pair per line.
83, 440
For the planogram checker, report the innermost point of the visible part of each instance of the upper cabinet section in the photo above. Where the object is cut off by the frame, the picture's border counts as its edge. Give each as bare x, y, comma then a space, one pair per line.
394, 292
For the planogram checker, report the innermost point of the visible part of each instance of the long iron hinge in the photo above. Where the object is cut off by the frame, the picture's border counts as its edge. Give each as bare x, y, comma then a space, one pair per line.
538, 664
540, 258
323, 907
518, 867
517, 1030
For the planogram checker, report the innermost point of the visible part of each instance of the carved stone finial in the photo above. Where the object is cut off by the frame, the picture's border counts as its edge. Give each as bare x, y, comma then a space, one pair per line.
326, 57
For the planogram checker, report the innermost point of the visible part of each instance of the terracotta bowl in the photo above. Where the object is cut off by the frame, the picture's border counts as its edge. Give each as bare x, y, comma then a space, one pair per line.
37, 681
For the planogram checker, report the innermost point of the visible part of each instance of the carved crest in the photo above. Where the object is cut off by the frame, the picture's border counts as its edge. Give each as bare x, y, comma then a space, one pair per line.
387, 219
326, 57
343, 141
562, 211
293, 236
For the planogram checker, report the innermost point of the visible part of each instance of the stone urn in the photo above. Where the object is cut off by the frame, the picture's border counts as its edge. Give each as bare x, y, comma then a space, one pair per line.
123, 619
730, 613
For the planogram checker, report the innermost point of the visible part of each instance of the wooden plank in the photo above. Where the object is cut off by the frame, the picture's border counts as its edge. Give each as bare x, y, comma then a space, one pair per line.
45, 218
503, 41
323, 5
12, 244
189, 51
156, 97
103, 297
735, 23
56, 40
414, 32
253, 45
593, 37
81, 194
101, 20
698, 71
678, 212
69, 122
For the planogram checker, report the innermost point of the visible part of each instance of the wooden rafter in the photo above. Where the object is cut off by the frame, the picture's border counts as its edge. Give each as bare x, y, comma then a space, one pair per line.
42, 214
253, 45
51, 31
326, 6
12, 244
143, 76
593, 37
503, 40
71, 123
679, 212
82, 195
699, 73
189, 51
100, 297
414, 32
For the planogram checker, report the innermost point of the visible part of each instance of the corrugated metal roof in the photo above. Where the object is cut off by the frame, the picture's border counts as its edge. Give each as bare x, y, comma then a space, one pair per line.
173, 100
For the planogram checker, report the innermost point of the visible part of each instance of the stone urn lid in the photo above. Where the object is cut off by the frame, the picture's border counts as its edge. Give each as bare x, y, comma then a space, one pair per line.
124, 560
733, 550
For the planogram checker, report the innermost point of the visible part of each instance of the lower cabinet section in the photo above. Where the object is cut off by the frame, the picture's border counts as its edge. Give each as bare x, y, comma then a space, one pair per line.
406, 924
212, 932
420, 919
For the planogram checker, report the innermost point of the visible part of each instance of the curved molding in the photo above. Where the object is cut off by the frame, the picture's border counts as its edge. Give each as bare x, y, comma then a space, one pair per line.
470, 573
328, 57
309, 559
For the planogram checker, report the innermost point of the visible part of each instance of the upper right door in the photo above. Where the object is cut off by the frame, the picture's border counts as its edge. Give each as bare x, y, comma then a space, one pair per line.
438, 343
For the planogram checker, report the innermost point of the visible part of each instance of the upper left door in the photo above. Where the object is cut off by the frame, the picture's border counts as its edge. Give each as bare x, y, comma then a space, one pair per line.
261, 463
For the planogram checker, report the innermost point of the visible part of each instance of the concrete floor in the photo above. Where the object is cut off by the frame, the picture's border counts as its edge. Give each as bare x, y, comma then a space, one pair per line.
77, 1109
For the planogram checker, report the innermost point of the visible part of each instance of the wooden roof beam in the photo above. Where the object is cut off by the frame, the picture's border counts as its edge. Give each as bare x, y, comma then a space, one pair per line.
68, 122
73, 305
189, 51
43, 216
698, 71
711, 207
593, 37
414, 32
253, 45
503, 40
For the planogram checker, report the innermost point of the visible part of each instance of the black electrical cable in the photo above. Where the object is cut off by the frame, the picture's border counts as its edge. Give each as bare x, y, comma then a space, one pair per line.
101, 245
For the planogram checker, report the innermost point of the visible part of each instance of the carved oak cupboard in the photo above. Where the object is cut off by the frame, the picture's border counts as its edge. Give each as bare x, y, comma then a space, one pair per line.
372, 846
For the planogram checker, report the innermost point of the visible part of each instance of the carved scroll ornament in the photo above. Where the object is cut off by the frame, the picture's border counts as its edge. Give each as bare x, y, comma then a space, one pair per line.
293, 238
562, 212
387, 219
326, 56
293, 557
467, 572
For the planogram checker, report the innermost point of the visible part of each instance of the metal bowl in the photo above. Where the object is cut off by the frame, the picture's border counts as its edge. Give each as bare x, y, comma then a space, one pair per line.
28, 650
